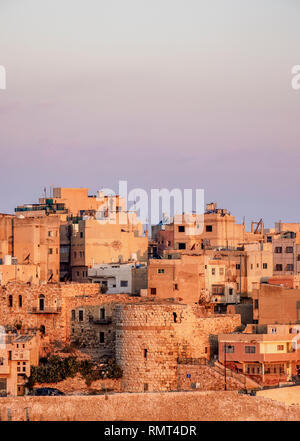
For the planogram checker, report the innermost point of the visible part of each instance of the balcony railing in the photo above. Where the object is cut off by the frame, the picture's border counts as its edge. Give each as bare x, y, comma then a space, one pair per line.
49, 310
103, 321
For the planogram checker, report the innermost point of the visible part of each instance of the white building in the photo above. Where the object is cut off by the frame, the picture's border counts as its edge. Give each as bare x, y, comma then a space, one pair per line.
120, 278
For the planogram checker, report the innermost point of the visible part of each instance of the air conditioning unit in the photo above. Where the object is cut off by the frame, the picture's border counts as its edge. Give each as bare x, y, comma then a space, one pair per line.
14, 261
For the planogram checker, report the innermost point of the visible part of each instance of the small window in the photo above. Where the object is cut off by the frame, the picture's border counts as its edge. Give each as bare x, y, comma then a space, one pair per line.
250, 349
208, 228
256, 304
81, 234
265, 266
280, 347
278, 267
269, 239
153, 291
289, 267
278, 250
10, 301
213, 271
146, 387
174, 317
102, 313
145, 354
230, 291
73, 315
176, 287
289, 250
181, 246
160, 271
181, 228
80, 316
238, 266
124, 283
102, 337
229, 349
50, 250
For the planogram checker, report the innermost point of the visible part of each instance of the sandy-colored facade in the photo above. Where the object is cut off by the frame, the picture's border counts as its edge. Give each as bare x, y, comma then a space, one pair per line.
276, 304
221, 276
23, 273
17, 354
216, 228
36, 241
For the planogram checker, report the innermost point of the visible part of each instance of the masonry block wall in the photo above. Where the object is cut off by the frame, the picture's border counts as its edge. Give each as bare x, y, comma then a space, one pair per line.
151, 337
45, 306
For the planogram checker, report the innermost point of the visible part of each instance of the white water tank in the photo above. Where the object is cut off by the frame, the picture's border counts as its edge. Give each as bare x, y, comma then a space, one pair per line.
7, 259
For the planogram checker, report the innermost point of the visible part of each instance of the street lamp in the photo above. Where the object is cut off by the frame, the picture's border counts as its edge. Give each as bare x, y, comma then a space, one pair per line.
225, 351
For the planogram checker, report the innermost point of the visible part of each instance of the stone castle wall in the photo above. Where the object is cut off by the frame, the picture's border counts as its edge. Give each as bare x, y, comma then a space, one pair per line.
173, 406
151, 337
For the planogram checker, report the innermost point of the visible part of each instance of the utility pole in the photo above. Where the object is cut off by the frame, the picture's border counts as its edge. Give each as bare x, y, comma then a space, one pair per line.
225, 348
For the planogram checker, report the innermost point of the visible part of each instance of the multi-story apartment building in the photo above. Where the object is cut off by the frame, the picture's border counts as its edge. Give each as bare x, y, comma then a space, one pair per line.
275, 302
223, 276
120, 278
215, 229
31, 241
286, 253
17, 353
268, 354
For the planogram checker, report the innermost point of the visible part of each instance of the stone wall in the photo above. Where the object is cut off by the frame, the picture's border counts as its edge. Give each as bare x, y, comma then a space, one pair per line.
151, 337
204, 378
59, 299
178, 406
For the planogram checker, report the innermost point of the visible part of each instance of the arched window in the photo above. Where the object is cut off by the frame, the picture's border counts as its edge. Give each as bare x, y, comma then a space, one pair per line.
20, 301
10, 301
42, 302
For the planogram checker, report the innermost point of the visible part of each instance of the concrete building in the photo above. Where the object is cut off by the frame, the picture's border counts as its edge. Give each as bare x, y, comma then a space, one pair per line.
276, 303
215, 229
286, 253
269, 356
23, 273
220, 276
127, 278
17, 353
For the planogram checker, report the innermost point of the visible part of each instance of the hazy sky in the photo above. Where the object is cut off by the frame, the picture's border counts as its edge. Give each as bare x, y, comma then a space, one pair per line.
163, 93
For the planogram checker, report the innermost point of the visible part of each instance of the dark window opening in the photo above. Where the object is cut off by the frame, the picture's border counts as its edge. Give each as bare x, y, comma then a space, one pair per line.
42, 302
145, 354
174, 317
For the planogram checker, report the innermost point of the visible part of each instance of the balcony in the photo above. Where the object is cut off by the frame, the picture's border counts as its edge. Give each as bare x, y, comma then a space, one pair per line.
49, 310
102, 321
